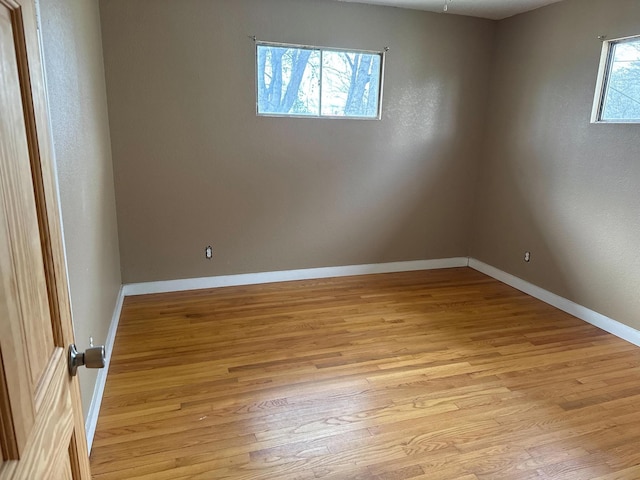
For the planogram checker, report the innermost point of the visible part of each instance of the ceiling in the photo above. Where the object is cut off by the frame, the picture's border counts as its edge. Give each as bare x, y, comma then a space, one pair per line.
493, 9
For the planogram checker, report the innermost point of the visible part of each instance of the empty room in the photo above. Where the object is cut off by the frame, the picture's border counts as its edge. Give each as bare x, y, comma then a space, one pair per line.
320, 239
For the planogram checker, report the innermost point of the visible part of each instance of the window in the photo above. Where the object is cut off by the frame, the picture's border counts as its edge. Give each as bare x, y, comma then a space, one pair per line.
618, 92
315, 82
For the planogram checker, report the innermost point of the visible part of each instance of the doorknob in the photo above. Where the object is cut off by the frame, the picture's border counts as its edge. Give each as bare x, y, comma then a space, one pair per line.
92, 357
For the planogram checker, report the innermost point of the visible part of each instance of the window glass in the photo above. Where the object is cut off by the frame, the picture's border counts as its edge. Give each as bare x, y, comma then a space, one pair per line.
309, 81
350, 84
620, 100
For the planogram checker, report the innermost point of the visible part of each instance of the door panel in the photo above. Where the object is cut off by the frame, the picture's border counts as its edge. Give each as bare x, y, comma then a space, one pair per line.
65, 472
18, 376
41, 425
20, 213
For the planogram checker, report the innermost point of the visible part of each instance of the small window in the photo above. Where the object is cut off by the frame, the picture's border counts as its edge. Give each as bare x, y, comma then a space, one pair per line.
618, 93
302, 81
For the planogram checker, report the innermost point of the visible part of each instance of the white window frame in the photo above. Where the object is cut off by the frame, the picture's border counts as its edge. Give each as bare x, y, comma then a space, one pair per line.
606, 60
382, 54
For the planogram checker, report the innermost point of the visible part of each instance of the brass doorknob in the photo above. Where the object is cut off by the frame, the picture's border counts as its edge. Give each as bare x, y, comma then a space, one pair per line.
93, 357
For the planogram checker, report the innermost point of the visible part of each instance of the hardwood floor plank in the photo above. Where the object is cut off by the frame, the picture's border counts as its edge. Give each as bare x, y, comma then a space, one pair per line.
442, 374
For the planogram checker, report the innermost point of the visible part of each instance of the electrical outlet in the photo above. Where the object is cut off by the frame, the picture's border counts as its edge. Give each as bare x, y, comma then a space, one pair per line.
208, 252
527, 257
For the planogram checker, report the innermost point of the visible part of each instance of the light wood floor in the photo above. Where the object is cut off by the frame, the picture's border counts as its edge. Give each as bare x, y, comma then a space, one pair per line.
443, 374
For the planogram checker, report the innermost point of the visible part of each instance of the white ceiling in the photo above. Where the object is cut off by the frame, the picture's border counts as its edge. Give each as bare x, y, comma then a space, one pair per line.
493, 9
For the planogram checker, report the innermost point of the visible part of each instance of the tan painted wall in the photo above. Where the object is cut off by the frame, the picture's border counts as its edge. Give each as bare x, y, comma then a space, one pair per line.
551, 182
194, 165
77, 99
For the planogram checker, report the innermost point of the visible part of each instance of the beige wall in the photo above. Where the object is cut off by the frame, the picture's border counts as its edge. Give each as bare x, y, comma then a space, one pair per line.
77, 100
194, 165
551, 182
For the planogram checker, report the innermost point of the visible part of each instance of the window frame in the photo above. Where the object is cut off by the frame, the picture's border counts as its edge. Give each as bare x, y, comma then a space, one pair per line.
321, 49
604, 72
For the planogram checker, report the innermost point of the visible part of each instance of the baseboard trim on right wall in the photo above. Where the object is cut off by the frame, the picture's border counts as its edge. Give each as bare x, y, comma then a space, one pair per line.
594, 318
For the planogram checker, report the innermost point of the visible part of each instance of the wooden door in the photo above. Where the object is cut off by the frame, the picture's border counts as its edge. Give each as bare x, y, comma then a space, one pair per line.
41, 425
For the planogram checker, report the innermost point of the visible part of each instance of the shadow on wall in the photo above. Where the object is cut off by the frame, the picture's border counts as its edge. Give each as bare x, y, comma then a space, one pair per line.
370, 208
518, 225
540, 193
194, 166
552, 182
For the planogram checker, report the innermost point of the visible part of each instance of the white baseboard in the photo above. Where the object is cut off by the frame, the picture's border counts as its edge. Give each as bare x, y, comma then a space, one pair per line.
288, 275
597, 319
94, 409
